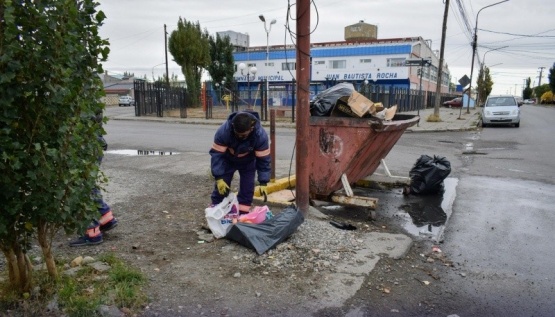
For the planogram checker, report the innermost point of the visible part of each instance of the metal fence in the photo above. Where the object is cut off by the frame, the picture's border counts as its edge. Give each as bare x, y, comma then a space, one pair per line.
218, 102
159, 97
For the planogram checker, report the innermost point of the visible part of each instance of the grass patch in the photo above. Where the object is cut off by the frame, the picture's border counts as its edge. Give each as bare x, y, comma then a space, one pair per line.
80, 295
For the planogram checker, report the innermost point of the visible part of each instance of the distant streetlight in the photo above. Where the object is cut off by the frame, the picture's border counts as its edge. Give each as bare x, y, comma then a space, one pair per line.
482, 71
474, 53
495, 49
267, 29
252, 70
153, 79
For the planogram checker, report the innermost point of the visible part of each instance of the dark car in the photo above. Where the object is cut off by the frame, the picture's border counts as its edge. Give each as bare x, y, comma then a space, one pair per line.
454, 103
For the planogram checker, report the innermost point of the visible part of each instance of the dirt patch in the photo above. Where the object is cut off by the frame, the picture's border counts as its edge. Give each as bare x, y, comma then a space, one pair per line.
320, 271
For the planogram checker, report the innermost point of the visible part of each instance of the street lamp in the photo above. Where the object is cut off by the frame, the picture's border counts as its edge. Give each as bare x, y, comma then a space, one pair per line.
153, 71
474, 53
252, 70
267, 29
482, 72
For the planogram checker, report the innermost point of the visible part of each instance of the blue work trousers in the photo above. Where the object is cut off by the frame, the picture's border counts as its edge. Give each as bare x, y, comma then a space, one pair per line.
247, 174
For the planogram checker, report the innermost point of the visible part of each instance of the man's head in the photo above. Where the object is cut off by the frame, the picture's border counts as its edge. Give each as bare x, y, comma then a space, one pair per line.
242, 124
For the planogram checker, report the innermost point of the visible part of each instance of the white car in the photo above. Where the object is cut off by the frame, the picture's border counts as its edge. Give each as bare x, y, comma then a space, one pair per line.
126, 101
501, 110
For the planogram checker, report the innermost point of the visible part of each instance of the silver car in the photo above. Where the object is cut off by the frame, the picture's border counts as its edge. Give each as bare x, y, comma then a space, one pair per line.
501, 110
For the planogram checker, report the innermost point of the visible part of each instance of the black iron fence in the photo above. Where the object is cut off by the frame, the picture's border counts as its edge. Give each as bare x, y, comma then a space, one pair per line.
158, 97
218, 102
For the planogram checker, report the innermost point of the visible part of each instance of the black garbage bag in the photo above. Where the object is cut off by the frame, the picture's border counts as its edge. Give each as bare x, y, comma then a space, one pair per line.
427, 175
266, 235
323, 103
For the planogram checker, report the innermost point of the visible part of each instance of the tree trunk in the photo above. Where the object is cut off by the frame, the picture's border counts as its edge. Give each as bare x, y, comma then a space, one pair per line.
45, 242
19, 268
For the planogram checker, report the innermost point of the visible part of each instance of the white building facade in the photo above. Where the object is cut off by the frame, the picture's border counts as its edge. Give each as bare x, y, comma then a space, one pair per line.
360, 59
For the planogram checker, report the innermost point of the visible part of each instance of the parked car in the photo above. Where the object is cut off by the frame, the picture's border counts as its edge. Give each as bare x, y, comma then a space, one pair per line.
126, 101
501, 110
453, 103
529, 101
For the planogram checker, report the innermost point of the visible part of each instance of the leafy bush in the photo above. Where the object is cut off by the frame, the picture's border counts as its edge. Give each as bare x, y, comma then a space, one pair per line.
49, 147
547, 98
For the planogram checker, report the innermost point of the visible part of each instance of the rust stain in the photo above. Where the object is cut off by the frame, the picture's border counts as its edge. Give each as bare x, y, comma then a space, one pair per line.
330, 144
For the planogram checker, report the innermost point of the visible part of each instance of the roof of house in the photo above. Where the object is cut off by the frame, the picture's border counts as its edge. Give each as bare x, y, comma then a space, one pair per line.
120, 87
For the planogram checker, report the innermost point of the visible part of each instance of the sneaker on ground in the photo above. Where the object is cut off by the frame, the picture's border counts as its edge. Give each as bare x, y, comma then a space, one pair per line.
109, 225
85, 240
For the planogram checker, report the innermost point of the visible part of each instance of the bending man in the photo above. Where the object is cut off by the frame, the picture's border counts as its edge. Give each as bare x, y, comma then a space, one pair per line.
240, 144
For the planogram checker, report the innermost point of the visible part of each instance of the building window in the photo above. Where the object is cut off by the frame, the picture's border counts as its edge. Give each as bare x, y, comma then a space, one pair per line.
366, 61
395, 62
288, 66
269, 64
319, 62
338, 64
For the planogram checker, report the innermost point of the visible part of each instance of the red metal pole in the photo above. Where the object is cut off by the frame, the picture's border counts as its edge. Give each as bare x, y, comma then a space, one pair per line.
273, 143
303, 98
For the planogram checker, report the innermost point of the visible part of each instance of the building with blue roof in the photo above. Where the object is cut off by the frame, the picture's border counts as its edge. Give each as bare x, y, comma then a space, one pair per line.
360, 59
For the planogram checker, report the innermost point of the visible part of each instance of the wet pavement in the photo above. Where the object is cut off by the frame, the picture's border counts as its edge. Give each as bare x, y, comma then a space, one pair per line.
422, 216
451, 119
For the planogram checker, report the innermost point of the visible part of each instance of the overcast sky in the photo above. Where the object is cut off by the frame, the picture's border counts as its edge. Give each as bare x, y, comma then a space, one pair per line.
135, 29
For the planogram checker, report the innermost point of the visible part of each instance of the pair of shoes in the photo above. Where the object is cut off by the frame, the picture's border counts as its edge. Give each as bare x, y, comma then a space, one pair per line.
86, 240
109, 225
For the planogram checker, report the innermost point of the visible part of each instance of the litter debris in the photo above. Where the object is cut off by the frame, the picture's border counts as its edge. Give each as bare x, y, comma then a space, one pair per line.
342, 225
266, 235
427, 175
435, 248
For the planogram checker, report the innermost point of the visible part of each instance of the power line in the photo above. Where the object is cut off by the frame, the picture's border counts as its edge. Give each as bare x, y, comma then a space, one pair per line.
523, 35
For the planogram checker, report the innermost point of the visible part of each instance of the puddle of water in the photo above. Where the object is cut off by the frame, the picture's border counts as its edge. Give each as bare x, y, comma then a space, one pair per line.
140, 152
426, 215
423, 216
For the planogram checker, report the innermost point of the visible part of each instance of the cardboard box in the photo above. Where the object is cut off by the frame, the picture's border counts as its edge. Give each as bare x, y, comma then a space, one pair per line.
342, 109
360, 104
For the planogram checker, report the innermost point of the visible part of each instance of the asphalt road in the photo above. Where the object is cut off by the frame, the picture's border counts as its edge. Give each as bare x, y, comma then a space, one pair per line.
500, 232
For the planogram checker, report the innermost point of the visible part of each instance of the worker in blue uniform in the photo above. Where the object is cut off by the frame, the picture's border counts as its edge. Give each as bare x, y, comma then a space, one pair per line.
240, 144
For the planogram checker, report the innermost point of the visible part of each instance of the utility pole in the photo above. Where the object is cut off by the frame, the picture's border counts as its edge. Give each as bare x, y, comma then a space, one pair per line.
303, 99
440, 67
541, 74
166, 49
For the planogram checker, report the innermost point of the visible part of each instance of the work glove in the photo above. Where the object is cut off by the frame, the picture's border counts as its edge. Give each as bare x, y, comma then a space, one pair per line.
263, 191
223, 187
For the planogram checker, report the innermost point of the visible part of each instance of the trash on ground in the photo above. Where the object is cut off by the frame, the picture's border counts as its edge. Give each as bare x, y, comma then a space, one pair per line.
427, 175
266, 235
342, 225
223, 215
258, 214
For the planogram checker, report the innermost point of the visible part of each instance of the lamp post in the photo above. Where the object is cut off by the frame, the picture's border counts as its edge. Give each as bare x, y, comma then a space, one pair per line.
153, 80
474, 53
482, 73
366, 87
252, 70
267, 29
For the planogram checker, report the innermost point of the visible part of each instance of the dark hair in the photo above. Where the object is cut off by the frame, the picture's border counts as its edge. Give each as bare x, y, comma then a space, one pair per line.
242, 122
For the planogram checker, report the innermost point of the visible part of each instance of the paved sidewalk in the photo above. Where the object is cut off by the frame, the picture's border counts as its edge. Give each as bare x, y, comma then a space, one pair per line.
452, 119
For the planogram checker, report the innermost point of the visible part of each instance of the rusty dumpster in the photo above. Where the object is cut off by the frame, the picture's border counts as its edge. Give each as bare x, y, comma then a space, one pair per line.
349, 146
